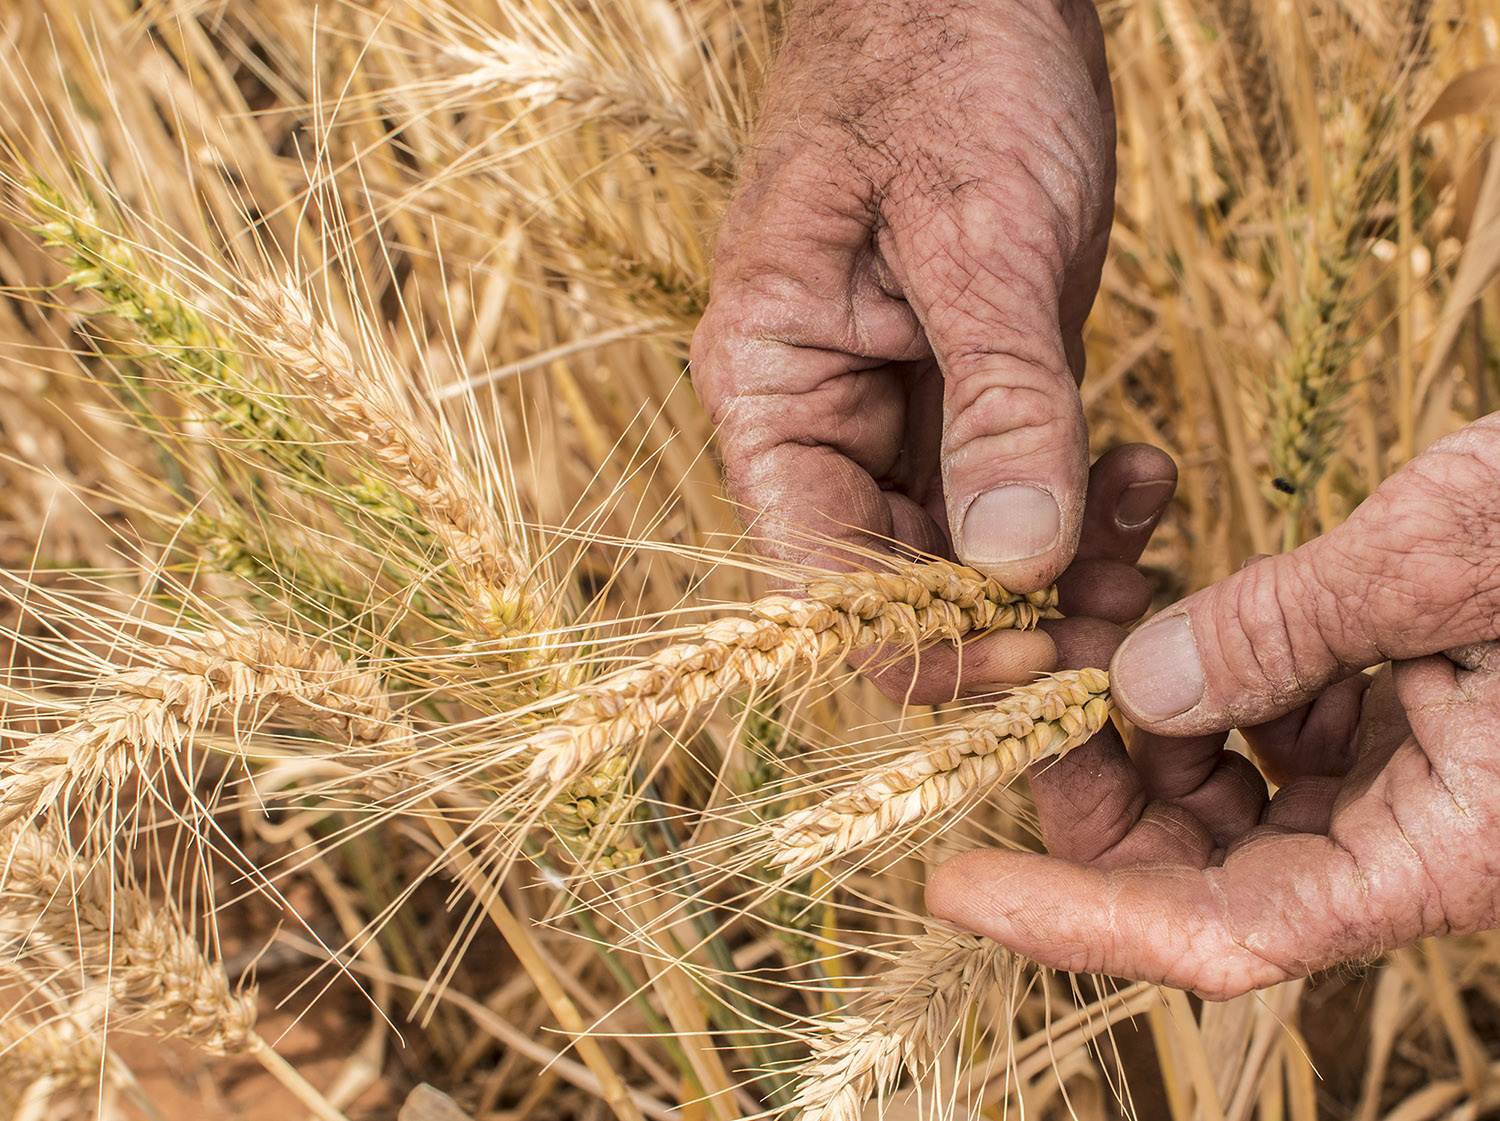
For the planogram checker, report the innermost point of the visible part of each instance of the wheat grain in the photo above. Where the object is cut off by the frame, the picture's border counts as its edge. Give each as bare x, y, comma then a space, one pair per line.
913, 1009
158, 708
912, 605
956, 767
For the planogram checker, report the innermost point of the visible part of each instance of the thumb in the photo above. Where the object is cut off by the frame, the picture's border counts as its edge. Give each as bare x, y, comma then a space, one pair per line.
1015, 465
1014, 450
1406, 576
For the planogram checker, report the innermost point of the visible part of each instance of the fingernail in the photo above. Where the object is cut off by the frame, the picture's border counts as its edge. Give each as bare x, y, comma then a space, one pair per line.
1157, 672
1140, 502
1010, 523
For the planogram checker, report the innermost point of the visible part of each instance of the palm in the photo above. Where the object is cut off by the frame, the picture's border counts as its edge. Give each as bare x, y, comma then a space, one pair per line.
1172, 864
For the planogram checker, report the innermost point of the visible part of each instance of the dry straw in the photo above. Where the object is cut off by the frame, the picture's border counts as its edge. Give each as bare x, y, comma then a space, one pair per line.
911, 1011
953, 769
912, 605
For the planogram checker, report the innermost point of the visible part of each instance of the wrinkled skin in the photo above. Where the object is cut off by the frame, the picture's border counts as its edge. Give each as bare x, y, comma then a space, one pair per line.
1170, 863
899, 288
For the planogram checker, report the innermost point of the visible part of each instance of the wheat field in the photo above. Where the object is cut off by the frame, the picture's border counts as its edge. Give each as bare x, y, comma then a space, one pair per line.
395, 721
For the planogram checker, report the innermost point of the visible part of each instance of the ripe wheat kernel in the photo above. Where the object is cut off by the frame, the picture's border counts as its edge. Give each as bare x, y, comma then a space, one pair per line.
956, 766
911, 605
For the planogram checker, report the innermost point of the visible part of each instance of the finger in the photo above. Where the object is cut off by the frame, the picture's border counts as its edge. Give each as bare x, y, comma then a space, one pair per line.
1320, 738
1219, 788
1178, 924
1130, 487
1171, 768
1452, 713
1103, 589
1014, 445
1087, 801
944, 672
1406, 858
1304, 805
802, 362
1412, 572
1083, 641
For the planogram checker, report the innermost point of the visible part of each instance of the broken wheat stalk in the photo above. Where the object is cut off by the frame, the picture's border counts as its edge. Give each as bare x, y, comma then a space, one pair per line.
913, 1009
912, 605
957, 765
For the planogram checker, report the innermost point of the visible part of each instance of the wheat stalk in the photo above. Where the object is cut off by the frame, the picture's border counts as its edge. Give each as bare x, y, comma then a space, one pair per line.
956, 766
911, 1010
911, 605
158, 708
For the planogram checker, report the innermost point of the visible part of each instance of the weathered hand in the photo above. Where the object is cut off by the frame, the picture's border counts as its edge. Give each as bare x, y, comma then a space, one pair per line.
892, 343
1172, 865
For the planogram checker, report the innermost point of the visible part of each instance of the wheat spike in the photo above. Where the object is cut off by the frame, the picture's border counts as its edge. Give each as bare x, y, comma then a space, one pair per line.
155, 970
913, 1009
277, 322
956, 766
539, 74
911, 605
209, 676
57, 1050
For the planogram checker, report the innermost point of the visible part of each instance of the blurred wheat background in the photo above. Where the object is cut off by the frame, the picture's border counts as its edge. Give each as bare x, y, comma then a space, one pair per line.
387, 698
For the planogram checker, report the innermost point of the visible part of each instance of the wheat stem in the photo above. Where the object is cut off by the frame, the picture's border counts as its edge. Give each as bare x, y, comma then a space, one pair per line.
288, 1075
487, 892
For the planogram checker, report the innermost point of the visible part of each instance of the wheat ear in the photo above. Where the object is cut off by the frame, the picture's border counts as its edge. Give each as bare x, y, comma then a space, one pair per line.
56, 1050
911, 605
276, 321
957, 766
158, 708
538, 74
155, 970
912, 1010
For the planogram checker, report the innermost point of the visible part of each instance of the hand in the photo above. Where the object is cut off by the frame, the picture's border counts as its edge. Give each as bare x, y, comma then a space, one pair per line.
1171, 864
892, 344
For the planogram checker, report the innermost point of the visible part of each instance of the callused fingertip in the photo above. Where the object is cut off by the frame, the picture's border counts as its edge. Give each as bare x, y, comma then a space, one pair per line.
949, 893
1157, 673
1012, 522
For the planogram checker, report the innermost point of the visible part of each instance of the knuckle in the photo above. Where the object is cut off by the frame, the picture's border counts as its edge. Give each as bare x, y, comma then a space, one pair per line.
1026, 413
1267, 654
